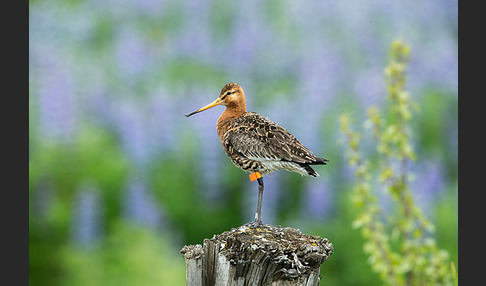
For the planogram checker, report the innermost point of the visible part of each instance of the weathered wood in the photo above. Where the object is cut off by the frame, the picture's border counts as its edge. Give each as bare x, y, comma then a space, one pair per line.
257, 255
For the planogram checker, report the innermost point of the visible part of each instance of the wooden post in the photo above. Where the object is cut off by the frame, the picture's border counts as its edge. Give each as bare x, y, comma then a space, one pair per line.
257, 255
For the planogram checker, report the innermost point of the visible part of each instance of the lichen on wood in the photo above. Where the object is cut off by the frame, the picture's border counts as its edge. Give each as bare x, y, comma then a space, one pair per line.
257, 255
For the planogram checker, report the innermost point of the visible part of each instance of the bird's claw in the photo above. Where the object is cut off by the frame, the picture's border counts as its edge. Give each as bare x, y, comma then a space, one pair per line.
254, 224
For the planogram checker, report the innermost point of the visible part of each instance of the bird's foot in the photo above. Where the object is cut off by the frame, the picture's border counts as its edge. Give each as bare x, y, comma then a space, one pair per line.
254, 224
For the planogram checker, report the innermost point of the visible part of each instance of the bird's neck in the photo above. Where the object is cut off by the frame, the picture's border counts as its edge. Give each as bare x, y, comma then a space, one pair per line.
234, 110
231, 112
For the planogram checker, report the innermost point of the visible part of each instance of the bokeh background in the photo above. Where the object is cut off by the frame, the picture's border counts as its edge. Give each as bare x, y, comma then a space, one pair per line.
120, 180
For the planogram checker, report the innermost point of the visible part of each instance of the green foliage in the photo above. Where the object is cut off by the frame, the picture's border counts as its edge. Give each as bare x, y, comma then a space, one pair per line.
130, 255
400, 244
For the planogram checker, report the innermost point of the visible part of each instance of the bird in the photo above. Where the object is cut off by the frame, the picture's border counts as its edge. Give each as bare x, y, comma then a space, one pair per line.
256, 144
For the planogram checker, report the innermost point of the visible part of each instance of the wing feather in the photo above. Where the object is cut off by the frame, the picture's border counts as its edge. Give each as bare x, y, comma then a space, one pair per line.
261, 139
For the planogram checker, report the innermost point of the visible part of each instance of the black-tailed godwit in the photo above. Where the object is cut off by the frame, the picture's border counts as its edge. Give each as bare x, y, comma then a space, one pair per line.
256, 144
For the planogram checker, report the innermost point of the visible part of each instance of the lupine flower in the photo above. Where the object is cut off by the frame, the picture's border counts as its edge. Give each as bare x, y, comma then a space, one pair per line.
153, 8
428, 183
139, 204
130, 54
161, 122
369, 88
197, 40
248, 34
315, 90
318, 199
88, 215
56, 103
132, 130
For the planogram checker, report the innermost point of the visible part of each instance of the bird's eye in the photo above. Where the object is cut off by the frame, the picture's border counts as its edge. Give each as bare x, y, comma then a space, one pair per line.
226, 94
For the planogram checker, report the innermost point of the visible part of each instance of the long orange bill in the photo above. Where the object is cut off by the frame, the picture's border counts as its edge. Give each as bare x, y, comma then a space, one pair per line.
212, 104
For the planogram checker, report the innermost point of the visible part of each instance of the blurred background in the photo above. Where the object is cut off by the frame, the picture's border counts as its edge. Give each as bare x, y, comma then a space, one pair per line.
120, 180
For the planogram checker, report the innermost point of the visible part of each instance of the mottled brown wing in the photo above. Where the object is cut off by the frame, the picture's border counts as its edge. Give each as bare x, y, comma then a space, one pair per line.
261, 139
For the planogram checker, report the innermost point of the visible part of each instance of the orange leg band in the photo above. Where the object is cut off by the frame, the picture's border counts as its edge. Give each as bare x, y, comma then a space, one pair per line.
255, 176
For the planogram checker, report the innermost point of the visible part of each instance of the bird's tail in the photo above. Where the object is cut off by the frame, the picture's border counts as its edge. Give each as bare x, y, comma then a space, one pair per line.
319, 161
310, 171
308, 168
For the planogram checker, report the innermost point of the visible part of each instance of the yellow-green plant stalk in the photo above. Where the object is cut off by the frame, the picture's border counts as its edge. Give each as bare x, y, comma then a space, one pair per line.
401, 247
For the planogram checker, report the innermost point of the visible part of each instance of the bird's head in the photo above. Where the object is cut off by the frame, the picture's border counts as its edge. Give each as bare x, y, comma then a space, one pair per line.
231, 96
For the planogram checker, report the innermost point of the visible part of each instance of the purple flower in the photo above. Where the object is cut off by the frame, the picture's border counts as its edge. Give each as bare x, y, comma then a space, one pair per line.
131, 53
57, 113
249, 36
139, 204
162, 112
152, 8
428, 183
318, 199
316, 87
132, 130
370, 88
87, 220
194, 37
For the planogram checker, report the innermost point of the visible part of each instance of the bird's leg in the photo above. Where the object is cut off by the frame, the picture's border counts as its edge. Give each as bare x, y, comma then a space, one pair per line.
258, 215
